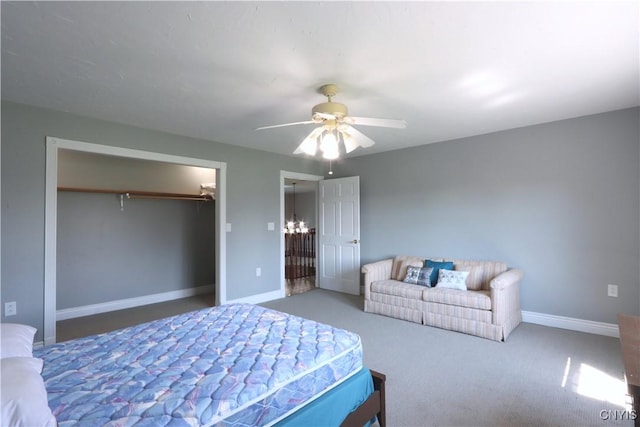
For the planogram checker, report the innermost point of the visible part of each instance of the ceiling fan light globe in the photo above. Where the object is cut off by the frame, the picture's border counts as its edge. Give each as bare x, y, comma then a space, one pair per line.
329, 142
330, 155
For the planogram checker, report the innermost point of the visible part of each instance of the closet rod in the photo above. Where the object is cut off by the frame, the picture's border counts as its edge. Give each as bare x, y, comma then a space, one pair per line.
178, 197
142, 194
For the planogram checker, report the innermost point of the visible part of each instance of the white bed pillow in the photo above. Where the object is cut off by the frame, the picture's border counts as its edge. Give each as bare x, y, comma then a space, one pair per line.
23, 395
16, 340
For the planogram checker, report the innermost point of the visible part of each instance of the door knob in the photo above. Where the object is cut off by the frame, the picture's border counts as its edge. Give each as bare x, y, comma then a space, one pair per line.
354, 241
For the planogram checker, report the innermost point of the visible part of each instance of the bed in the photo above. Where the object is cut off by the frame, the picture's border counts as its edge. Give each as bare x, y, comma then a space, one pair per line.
232, 365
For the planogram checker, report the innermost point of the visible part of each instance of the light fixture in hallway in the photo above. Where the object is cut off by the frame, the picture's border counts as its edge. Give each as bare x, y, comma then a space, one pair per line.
294, 226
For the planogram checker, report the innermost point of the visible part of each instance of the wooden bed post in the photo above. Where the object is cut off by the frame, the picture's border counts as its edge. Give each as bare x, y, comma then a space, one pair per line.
379, 380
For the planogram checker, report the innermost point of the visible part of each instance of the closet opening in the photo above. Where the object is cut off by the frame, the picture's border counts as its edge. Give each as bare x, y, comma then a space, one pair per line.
127, 228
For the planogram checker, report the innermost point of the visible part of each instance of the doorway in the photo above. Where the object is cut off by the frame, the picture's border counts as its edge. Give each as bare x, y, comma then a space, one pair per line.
299, 271
300, 220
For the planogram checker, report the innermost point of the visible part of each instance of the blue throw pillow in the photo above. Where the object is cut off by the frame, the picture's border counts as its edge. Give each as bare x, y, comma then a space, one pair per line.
437, 265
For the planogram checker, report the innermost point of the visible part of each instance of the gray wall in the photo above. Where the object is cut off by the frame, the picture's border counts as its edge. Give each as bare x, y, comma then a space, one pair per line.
152, 246
558, 200
252, 200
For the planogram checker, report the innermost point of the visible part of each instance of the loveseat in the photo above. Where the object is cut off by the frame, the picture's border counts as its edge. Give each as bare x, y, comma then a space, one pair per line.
489, 307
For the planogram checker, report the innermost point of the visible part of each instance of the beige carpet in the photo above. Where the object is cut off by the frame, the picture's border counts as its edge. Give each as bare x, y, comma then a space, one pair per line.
540, 377
301, 285
104, 322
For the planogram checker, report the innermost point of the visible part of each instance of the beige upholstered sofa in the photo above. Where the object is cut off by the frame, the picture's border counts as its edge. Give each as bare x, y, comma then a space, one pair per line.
490, 308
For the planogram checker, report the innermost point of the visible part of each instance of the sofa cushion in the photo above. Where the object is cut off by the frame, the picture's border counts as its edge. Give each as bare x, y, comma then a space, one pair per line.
452, 279
401, 261
474, 279
418, 276
437, 265
394, 287
490, 269
472, 299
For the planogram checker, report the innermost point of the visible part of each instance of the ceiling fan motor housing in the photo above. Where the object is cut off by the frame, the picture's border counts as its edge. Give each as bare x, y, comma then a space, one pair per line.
335, 109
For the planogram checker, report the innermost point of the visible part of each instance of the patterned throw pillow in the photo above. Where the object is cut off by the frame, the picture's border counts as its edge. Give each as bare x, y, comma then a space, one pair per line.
402, 270
452, 279
418, 276
437, 265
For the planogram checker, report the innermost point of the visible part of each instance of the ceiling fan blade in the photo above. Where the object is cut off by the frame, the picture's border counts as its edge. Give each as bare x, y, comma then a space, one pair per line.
286, 124
358, 137
310, 143
369, 121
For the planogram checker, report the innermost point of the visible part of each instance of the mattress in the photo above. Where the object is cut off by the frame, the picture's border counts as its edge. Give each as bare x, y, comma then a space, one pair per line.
235, 365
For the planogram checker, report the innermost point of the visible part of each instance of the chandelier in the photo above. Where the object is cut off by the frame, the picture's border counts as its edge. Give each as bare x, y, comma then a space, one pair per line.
294, 226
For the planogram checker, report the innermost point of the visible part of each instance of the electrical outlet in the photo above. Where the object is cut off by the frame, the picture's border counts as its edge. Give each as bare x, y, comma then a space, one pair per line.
612, 290
10, 308
258, 272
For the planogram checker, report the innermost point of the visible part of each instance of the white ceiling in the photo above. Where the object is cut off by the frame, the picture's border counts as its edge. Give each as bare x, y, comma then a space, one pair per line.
218, 70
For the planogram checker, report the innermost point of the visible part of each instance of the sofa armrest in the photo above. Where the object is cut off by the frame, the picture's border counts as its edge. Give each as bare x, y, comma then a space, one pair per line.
505, 299
380, 270
506, 279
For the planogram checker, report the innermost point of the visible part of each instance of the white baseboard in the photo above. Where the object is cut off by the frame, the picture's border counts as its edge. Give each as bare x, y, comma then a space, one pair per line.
88, 310
260, 298
581, 325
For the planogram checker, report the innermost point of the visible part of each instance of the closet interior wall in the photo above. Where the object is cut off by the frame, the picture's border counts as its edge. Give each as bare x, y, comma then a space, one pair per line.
112, 246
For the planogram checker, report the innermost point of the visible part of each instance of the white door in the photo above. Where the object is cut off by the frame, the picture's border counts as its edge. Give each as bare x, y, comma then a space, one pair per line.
339, 238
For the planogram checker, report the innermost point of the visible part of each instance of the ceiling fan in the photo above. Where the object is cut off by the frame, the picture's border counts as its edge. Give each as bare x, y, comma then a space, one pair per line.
335, 126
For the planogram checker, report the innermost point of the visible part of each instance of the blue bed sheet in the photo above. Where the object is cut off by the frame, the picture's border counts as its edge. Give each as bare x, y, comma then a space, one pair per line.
332, 408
